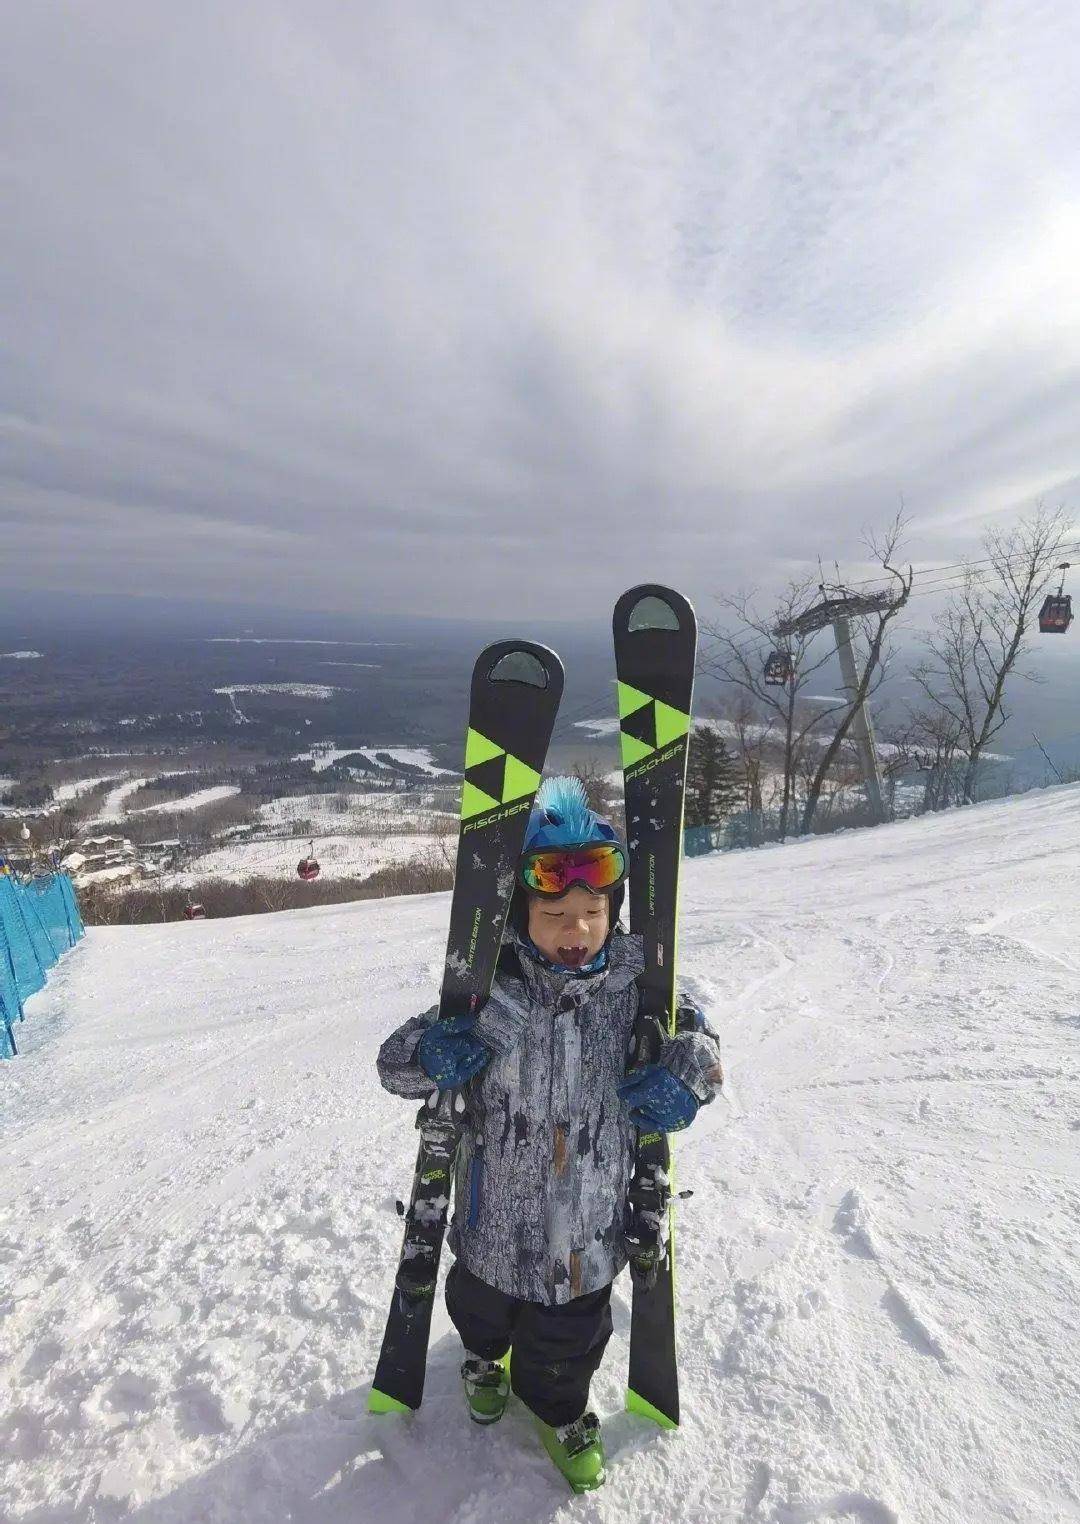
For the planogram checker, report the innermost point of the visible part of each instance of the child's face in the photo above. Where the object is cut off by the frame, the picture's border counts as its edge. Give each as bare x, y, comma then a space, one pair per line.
571, 930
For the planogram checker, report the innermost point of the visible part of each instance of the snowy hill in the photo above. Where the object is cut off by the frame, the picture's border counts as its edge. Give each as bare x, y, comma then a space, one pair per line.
878, 1269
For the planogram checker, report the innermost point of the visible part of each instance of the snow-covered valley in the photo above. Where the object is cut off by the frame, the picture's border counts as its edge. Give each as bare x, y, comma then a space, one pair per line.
878, 1269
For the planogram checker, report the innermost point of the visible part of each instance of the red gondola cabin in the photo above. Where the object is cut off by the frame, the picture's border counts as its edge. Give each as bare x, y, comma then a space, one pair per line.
779, 669
1055, 616
308, 867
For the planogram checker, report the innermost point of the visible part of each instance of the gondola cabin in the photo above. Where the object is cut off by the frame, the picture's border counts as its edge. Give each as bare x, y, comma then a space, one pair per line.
1055, 616
779, 669
193, 911
308, 867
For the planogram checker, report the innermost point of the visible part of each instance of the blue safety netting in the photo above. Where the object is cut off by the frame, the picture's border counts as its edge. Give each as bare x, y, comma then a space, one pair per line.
39, 920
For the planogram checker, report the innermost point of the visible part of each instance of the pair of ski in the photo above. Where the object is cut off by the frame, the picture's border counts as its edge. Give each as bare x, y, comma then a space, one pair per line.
516, 689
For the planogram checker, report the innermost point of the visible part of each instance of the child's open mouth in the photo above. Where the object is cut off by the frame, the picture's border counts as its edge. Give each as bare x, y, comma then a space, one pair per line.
573, 957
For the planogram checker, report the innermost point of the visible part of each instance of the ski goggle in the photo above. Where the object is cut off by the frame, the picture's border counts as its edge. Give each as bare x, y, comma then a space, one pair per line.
551, 871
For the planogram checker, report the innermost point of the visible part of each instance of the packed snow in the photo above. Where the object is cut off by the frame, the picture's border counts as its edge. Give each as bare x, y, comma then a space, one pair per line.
605, 726
114, 805
408, 756
383, 809
878, 1302
297, 690
197, 801
265, 640
323, 757
112, 875
340, 856
64, 793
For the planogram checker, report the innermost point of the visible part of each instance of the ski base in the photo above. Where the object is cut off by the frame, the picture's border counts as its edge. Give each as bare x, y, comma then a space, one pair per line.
635, 1403
655, 633
514, 698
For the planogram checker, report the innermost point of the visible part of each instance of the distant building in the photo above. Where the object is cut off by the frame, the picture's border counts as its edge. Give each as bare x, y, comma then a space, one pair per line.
103, 859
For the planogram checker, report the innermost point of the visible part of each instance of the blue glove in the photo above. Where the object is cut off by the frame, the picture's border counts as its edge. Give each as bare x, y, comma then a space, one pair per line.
450, 1054
657, 1099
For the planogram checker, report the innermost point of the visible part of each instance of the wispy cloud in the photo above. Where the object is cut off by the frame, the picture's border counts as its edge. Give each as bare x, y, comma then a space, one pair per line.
304, 300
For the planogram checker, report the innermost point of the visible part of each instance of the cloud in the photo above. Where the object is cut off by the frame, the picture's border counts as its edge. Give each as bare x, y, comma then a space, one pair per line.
429, 300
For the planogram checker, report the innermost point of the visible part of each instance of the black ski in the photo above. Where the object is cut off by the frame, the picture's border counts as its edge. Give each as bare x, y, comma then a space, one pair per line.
516, 688
655, 650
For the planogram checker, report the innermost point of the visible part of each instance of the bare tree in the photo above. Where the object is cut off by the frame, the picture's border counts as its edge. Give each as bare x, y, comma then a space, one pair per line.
982, 633
834, 798
739, 659
929, 744
443, 853
874, 629
593, 779
271, 893
100, 905
752, 736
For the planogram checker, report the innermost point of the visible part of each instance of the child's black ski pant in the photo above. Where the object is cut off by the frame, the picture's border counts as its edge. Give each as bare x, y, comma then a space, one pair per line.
556, 1349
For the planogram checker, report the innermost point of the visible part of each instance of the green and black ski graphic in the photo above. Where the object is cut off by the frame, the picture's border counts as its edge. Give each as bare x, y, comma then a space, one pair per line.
516, 688
655, 633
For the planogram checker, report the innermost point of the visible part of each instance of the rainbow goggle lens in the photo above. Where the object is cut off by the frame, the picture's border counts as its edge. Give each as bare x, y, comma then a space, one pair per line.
552, 871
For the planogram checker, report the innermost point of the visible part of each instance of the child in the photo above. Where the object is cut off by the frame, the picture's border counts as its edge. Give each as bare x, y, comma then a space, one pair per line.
547, 1154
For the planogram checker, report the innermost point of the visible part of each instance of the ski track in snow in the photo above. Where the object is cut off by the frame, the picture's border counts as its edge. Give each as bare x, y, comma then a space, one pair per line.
877, 1270
114, 805
196, 801
64, 793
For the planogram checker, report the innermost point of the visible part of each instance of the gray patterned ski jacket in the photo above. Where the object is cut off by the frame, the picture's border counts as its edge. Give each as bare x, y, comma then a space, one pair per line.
547, 1154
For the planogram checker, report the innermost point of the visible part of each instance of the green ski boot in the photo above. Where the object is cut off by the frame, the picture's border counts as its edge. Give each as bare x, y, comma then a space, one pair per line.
577, 1450
487, 1388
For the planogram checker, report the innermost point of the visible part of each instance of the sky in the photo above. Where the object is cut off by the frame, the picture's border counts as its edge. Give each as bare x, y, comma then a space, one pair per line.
457, 308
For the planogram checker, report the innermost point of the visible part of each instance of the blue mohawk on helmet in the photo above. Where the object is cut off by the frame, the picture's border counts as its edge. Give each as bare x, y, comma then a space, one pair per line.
561, 817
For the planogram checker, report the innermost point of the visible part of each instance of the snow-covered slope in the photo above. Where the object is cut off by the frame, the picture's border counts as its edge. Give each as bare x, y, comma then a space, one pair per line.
878, 1269
351, 856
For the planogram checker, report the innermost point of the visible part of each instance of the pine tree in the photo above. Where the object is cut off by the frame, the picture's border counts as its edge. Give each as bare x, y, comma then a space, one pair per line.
712, 779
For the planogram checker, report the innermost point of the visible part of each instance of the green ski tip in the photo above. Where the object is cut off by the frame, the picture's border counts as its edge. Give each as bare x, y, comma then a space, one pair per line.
379, 1402
631, 700
479, 749
637, 1404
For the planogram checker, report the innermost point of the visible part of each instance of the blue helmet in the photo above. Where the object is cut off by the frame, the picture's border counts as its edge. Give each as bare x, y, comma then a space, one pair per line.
561, 817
